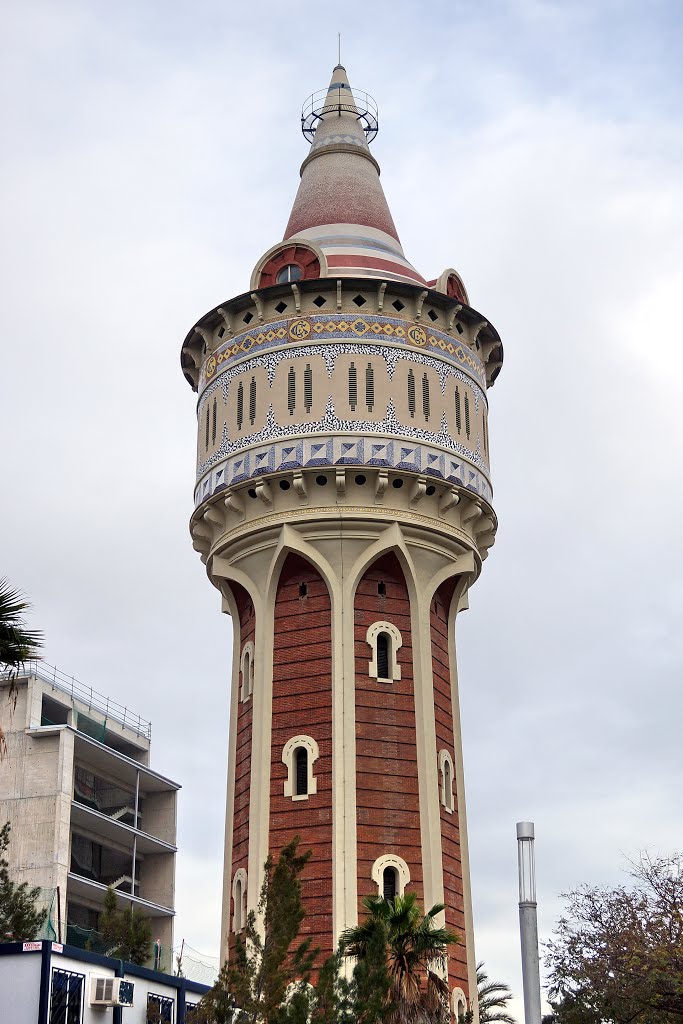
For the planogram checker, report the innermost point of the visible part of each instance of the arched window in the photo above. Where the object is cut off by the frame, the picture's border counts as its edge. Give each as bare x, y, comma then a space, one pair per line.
425, 395
239, 900
391, 875
353, 387
459, 1004
369, 387
308, 388
385, 641
252, 400
247, 668
291, 390
447, 777
389, 883
411, 393
240, 405
458, 411
291, 272
299, 755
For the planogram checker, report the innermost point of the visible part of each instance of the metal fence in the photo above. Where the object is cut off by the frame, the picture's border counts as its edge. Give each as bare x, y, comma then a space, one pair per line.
84, 694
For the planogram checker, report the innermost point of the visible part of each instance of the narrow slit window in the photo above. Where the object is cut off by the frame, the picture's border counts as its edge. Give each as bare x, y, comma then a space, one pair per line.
485, 435
383, 652
389, 884
458, 411
207, 428
252, 400
301, 771
291, 390
425, 396
214, 412
411, 393
308, 388
238, 905
353, 387
370, 387
467, 415
240, 405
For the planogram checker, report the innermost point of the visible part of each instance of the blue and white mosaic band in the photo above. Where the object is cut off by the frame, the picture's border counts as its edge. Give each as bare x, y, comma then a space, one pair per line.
345, 450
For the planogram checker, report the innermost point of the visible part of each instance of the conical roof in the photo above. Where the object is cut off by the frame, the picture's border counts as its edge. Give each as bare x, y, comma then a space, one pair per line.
340, 205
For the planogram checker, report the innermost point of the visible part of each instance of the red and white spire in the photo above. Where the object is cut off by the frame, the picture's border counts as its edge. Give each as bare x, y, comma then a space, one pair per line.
340, 206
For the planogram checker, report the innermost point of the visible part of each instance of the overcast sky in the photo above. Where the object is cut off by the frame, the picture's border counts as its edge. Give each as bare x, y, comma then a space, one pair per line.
151, 155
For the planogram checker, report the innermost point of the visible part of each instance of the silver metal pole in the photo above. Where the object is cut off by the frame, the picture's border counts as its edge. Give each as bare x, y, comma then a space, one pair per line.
528, 923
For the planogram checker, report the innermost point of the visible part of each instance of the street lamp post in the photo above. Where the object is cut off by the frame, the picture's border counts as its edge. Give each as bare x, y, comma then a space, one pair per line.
528, 923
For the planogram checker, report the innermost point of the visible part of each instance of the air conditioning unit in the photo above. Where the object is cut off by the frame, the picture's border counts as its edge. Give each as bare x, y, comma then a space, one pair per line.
110, 991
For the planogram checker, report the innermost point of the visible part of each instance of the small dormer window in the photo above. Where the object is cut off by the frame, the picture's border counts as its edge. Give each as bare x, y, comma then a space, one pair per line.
291, 272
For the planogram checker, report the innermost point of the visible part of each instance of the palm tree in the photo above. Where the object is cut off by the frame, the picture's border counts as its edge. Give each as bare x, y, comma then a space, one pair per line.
493, 997
416, 952
17, 644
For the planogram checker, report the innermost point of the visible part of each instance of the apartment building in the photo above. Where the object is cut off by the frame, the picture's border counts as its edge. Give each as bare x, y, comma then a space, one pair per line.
86, 809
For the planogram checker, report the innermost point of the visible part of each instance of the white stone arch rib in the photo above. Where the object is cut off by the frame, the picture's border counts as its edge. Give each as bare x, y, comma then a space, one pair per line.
391, 860
288, 760
239, 916
396, 642
247, 670
447, 780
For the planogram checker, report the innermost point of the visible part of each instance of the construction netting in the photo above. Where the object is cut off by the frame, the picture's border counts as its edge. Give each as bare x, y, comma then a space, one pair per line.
195, 966
47, 904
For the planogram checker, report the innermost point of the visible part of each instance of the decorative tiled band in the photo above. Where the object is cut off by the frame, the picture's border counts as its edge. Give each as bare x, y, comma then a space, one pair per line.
344, 450
339, 327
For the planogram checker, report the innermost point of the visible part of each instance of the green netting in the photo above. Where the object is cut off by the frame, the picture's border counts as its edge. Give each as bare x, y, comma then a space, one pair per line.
91, 939
47, 903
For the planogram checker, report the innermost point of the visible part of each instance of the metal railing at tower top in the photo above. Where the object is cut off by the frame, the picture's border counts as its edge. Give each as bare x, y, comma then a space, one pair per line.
340, 99
84, 694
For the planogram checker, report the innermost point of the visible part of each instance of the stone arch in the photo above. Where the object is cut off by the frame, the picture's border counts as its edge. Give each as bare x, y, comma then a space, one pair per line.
397, 864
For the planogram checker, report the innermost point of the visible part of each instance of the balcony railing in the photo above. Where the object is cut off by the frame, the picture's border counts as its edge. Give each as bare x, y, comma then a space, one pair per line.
93, 700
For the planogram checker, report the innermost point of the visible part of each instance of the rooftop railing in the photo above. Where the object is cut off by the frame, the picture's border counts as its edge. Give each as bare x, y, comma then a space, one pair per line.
84, 694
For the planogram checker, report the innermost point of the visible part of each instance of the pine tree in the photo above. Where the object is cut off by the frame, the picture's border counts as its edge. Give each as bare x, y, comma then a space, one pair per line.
128, 933
19, 919
268, 976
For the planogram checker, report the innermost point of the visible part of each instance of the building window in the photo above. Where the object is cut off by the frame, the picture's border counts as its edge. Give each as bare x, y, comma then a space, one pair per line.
289, 273
299, 755
485, 435
411, 393
159, 1009
239, 900
291, 390
467, 415
252, 400
447, 776
458, 411
240, 405
66, 998
206, 438
213, 421
459, 1004
389, 883
353, 387
308, 388
391, 875
247, 670
425, 396
369, 387
385, 641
